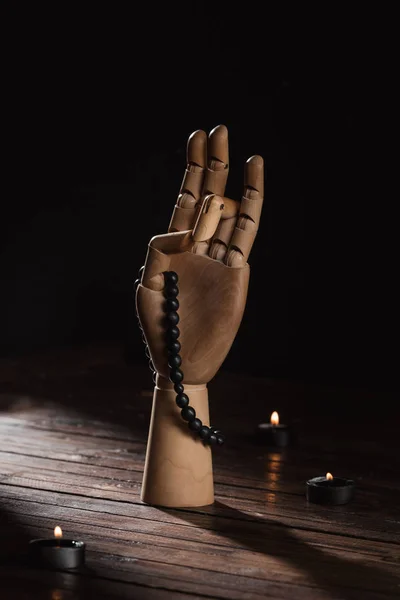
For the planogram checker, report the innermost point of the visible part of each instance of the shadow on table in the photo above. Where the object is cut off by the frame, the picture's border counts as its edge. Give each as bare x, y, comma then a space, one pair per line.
329, 572
21, 579
14, 537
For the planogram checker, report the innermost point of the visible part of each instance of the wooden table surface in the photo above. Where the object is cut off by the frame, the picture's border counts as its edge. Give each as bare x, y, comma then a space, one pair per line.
73, 429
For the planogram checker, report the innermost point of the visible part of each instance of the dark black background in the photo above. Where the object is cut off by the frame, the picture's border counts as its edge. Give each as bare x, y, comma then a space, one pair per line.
99, 108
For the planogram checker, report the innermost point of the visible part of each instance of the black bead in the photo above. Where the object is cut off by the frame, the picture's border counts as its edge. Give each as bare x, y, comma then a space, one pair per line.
182, 400
172, 318
176, 375
171, 304
212, 439
171, 291
173, 333
220, 439
188, 413
174, 361
173, 347
204, 432
195, 425
171, 276
214, 430
178, 387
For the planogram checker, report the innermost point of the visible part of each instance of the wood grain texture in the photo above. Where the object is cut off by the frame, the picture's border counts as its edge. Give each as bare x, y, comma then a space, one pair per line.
212, 299
73, 430
178, 467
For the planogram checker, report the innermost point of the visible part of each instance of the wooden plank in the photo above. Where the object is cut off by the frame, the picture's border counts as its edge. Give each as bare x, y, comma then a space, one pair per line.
323, 519
132, 425
120, 480
195, 537
148, 519
113, 485
101, 584
22, 583
317, 458
263, 471
69, 455
129, 555
71, 425
312, 459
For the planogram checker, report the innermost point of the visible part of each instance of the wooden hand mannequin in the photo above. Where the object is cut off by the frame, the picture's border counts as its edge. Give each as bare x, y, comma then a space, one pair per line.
208, 244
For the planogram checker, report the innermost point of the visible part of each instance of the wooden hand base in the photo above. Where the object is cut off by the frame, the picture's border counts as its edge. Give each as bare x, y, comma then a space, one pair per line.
209, 241
178, 468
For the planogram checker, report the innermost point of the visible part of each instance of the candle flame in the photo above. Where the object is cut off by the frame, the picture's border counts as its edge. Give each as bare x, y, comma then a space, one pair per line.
275, 418
329, 476
57, 532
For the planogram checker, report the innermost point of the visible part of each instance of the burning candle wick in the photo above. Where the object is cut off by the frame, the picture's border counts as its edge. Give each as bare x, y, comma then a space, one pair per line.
58, 534
275, 418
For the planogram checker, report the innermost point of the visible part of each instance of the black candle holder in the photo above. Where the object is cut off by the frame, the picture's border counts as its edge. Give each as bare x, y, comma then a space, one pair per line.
273, 434
330, 490
57, 553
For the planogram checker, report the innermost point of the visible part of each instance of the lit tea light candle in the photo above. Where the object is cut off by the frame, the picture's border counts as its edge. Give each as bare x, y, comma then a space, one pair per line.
275, 418
273, 433
330, 490
57, 552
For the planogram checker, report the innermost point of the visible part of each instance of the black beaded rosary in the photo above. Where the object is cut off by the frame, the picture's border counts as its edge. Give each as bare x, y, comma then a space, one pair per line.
209, 435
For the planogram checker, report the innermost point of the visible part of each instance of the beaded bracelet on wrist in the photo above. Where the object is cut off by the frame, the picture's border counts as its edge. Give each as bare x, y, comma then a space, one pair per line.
209, 435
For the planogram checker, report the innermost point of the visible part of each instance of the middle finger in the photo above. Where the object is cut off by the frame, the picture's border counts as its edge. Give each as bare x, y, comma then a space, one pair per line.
217, 171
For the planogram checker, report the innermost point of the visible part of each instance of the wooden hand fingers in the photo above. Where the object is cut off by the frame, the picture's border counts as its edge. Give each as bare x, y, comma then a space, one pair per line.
214, 209
218, 162
215, 176
247, 224
186, 207
232, 227
222, 229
